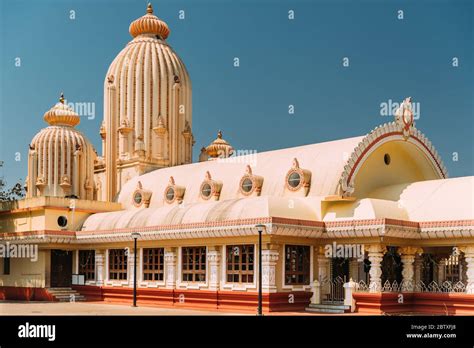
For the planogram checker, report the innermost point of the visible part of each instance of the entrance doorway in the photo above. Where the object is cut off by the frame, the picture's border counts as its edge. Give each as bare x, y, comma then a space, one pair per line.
61, 268
339, 275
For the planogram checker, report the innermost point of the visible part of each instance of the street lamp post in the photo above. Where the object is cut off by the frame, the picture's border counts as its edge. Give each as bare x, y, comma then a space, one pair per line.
135, 236
260, 230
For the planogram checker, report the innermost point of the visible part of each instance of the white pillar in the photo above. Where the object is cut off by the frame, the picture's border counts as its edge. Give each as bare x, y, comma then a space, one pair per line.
99, 267
375, 254
214, 259
170, 267
316, 288
469, 257
407, 255
269, 260
131, 263
349, 289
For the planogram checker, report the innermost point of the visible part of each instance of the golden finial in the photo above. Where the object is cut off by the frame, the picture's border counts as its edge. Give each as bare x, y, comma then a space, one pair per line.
219, 134
149, 9
61, 98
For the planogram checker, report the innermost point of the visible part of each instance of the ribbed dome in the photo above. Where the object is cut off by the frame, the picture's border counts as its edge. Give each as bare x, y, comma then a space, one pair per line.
219, 148
147, 108
61, 159
62, 114
149, 24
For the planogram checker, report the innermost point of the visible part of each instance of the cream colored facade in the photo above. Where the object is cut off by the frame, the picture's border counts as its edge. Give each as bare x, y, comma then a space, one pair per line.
388, 191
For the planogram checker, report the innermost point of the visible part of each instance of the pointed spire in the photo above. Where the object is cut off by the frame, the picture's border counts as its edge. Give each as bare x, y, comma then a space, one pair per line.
61, 98
149, 8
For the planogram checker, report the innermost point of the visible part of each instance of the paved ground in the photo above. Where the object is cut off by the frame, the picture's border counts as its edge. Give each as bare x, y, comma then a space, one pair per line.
91, 308
101, 308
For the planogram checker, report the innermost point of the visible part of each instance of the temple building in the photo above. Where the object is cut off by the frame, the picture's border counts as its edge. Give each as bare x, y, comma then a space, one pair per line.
347, 225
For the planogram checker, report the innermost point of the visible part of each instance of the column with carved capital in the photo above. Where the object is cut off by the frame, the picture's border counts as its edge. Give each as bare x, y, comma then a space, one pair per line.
469, 258
99, 267
214, 261
269, 261
170, 267
407, 256
375, 254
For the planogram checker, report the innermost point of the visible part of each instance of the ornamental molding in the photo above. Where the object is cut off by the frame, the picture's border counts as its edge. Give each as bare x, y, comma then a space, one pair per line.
257, 182
215, 187
363, 229
145, 196
402, 128
178, 192
304, 174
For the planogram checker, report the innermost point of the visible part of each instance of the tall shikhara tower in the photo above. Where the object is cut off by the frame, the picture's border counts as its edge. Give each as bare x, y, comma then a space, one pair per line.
147, 109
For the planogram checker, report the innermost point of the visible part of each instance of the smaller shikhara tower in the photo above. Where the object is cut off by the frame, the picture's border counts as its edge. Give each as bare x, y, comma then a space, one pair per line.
147, 109
61, 159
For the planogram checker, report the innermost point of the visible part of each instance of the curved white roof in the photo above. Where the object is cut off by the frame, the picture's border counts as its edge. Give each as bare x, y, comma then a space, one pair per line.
325, 161
430, 200
439, 200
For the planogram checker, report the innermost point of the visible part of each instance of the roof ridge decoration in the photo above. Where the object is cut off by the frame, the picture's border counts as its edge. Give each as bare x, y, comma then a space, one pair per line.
404, 117
171, 181
402, 128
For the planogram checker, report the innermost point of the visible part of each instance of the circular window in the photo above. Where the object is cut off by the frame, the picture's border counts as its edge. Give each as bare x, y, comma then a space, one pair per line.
386, 159
247, 185
206, 190
294, 179
137, 198
62, 221
170, 194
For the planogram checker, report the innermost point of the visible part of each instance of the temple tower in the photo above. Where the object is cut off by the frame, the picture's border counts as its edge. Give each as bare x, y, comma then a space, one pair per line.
147, 108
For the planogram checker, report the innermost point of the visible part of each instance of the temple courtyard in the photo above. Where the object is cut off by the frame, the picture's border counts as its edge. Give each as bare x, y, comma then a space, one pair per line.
41, 308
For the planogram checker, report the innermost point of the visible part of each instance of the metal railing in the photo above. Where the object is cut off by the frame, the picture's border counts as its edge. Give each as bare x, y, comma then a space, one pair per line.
406, 286
333, 290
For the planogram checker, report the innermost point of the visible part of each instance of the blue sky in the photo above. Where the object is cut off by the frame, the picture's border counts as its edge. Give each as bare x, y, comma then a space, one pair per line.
282, 62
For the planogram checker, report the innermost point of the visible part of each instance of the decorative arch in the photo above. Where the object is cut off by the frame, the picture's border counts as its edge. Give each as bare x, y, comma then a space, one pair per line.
381, 135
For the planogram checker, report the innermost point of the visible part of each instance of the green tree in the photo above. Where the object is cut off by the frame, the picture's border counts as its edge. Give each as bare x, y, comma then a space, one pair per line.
12, 194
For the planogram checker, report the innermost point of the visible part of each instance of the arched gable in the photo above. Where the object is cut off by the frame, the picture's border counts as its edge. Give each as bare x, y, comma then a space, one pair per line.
412, 157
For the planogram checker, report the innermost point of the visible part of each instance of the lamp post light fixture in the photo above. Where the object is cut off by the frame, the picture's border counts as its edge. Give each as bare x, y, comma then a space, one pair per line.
260, 229
135, 236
